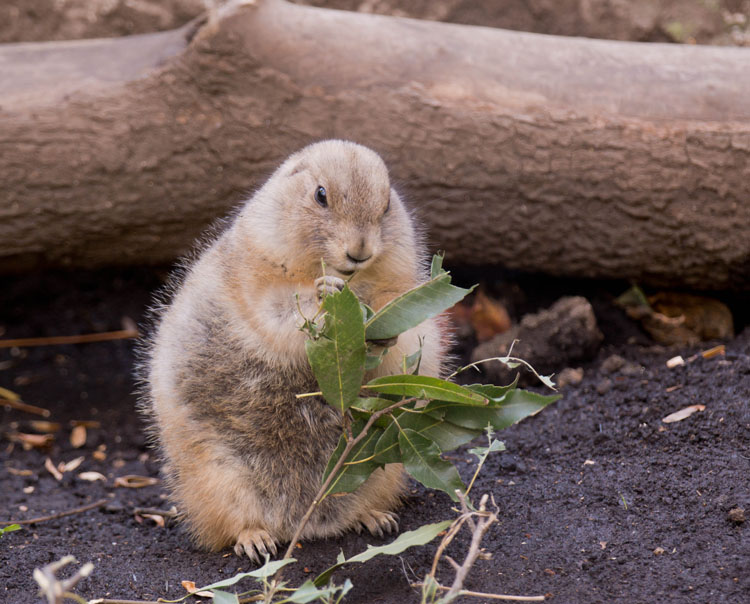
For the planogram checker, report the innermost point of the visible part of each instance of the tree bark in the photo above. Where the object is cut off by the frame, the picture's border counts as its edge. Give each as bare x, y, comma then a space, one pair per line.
558, 155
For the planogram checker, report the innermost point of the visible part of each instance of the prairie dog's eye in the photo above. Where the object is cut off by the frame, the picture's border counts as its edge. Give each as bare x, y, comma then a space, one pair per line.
320, 196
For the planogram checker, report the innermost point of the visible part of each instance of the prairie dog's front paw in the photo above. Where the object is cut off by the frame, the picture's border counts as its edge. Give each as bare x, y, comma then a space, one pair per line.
327, 285
256, 544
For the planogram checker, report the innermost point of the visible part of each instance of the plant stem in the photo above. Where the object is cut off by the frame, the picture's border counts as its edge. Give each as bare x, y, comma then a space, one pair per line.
321, 494
479, 594
484, 521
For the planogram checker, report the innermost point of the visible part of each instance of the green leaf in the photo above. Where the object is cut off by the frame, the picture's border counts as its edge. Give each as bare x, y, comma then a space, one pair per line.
421, 536
519, 404
423, 386
337, 357
372, 361
446, 436
355, 471
514, 406
494, 447
10, 528
224, 597
416, 305
492, 392
265, 571
436, 266
308, 592
422, 461
413, 360
372, 404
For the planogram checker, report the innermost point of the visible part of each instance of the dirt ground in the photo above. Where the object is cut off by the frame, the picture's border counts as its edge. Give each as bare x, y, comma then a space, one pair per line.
600, 501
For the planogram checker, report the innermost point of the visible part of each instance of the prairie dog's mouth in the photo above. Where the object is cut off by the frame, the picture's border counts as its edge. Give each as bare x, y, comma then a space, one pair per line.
345, 273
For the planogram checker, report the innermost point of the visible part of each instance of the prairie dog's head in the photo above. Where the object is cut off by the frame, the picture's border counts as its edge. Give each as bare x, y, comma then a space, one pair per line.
331, 201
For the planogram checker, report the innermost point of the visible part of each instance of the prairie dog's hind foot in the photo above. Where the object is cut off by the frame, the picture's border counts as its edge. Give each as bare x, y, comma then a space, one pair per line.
379, 523
256, 543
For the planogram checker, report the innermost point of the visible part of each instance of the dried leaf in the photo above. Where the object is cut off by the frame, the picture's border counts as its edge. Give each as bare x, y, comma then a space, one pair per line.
78, 436
132, 481
488, 317
52, 469
44, 426
683, 413
92, 476
71, 465
159, 520
100, 453
191, 589
32, 441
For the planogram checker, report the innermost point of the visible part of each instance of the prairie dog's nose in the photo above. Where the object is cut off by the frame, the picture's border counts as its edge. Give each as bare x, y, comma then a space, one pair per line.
359, 253
357, 259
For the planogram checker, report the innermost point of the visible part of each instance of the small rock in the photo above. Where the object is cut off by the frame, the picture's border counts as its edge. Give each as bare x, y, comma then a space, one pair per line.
612, 363
569, 376
658, 551
736, 515
565, 332
631, 369
604, 386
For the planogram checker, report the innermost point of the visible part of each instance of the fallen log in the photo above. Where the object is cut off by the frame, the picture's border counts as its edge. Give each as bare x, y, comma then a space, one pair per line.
558, 155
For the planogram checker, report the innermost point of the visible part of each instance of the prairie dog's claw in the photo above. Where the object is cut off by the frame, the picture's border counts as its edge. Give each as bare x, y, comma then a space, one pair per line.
256, 544
328, 285
379, 523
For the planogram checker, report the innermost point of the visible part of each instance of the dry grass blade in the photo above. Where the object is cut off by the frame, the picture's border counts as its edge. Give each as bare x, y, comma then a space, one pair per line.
106, 336
12, 400
132, 481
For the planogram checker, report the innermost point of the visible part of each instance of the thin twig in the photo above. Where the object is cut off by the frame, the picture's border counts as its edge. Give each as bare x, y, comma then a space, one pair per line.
21, 406
83, 508
105, 336
484, 521
56, 590
478, 594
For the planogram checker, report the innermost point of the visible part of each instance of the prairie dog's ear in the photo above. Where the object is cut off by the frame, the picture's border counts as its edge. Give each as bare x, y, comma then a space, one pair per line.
296, 168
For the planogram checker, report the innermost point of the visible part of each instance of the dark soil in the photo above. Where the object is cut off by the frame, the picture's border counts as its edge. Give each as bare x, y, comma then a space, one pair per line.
588, 489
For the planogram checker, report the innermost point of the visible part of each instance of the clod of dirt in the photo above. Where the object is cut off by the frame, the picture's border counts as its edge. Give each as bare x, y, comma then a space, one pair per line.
569, 377
617, 364
551, 339
736, 515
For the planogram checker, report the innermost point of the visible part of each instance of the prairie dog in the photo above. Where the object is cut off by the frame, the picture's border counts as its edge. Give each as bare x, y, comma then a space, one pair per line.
244, 457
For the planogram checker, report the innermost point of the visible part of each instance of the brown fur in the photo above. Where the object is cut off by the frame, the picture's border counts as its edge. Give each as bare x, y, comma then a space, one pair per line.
244, 456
